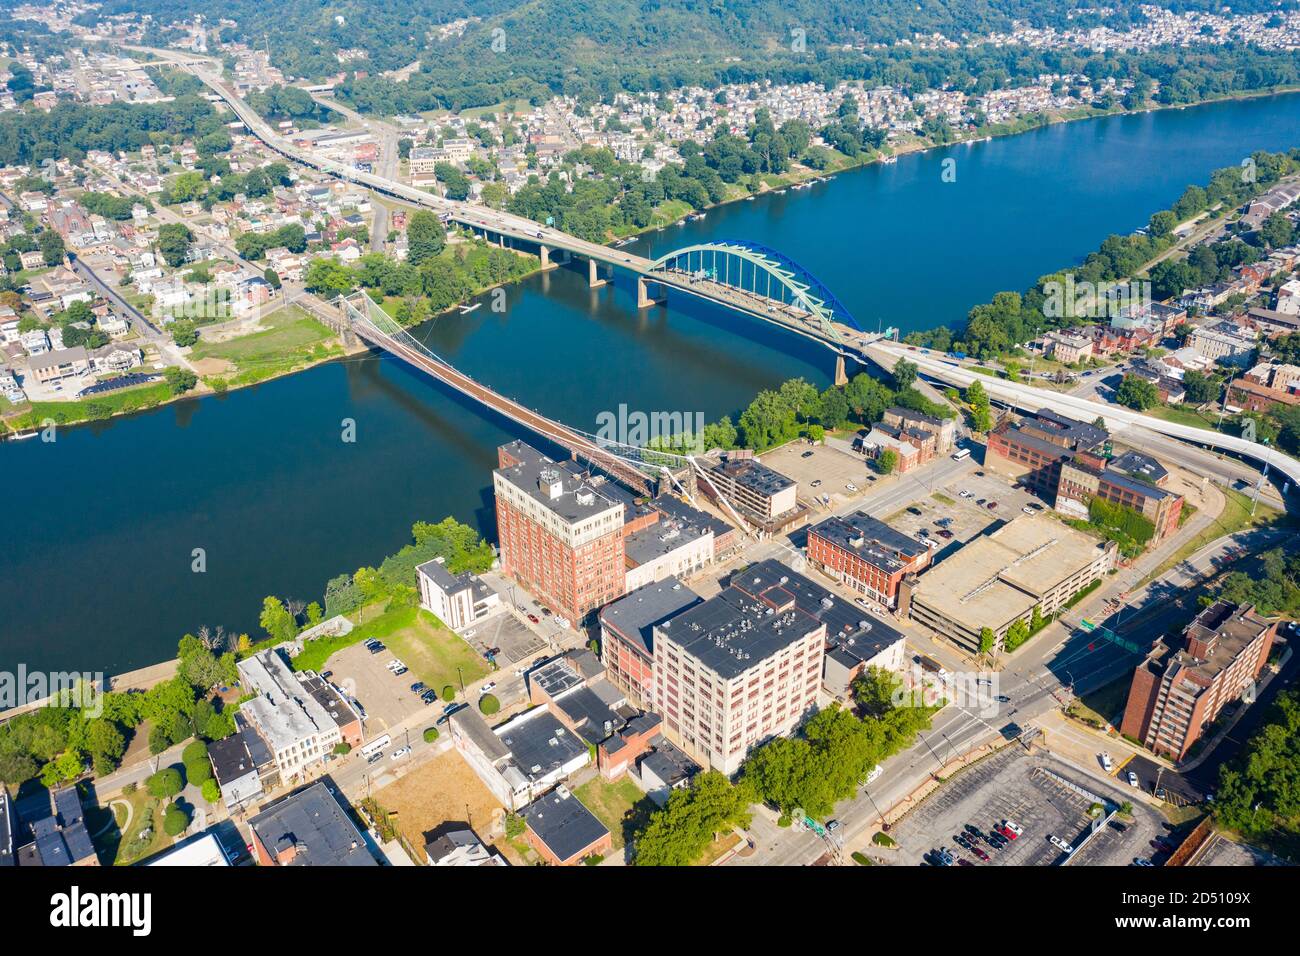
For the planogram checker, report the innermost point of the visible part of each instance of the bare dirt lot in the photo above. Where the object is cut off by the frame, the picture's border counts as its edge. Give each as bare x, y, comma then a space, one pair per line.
443, 790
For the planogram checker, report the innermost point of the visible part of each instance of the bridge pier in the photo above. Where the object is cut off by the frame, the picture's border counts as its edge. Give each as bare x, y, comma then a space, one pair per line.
545, 254
840, 377
594, 281
643, 298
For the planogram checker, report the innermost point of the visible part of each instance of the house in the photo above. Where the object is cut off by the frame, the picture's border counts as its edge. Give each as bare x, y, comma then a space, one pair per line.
563, 831
237, 763
664, 769
53, 366
460, 846
522, 758
56, 835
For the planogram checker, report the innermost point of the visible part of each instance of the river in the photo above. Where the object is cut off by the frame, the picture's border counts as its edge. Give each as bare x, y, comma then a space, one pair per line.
100, 536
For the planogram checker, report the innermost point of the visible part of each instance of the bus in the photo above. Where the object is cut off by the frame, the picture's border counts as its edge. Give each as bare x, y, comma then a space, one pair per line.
378, 745
961, 455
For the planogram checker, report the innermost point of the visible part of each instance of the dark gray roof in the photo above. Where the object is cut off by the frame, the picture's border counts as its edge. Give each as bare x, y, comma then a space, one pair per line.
590, 712
231, 758
669, 763
635, 615
866, 643
312, 820
555, 677
754, 475
1140, 466
679, 510
871, 539
540, 745
560, 820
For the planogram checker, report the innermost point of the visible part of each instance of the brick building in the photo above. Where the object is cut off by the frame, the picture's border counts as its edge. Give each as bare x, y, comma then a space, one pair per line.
1175, 695
866, 554
561, 530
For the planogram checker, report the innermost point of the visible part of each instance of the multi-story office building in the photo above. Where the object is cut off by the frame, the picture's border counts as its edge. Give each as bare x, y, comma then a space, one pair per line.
739, 668
866, 554
766, 497
1175, 695
561, 530
627, 634
1067, 462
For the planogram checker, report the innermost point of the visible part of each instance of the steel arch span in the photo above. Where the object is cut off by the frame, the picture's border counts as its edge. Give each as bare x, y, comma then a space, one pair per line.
724, 261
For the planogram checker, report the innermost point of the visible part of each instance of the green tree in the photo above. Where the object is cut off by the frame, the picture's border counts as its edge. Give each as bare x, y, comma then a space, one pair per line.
425, 237
1137, 393
887, 461
174, 241
166, 783
175, 819
276, 620
679, 833
52, 248
904, 374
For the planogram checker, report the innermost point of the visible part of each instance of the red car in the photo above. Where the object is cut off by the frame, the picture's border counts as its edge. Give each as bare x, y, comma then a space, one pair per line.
533, 618
979, 853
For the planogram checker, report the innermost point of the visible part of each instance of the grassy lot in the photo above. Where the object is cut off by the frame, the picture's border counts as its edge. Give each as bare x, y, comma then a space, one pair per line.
434, 654
1234, 517
1183, 416
291, 338
1097, 707
718, 847
942, 498
621, 806
120, 841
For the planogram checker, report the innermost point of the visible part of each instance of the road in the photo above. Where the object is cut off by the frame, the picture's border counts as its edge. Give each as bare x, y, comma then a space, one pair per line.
389, 161
1031, 398
1039, 678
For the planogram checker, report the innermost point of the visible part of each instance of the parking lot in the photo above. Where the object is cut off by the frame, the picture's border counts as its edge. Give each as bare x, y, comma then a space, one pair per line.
968, 518
516, 641
386, 698
1019, 786
829, 467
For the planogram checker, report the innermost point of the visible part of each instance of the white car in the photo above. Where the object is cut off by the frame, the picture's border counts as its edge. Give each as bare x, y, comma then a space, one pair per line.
487, 688
1106, 763
1027, 510
965, 494
850, 487
876, 771
395, 665
1061, 844
399, 753
1132, 779
1013, 827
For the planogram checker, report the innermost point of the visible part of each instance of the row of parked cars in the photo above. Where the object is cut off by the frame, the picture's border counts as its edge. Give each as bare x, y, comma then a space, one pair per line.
971, 838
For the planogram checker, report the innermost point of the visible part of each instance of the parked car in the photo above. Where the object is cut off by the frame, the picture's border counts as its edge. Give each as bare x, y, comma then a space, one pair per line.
399, 672
945, 533
1002, 699
965, 494
984, 857
817, 483
1060, 844
993, 505
399, 753
914, 511
487, 688
533, 618
429, 696
806, 454
850, 487
1132, 779
449, 711
418, 687
876, 771
981, 501
1142, 861
1106, 763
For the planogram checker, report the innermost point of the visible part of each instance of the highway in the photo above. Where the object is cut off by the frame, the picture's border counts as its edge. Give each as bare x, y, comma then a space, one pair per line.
1031, 398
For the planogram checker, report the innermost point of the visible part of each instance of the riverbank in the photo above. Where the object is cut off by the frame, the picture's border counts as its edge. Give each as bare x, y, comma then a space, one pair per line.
279, 347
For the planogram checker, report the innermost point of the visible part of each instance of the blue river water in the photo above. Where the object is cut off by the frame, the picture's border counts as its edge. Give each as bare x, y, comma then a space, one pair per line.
97, 561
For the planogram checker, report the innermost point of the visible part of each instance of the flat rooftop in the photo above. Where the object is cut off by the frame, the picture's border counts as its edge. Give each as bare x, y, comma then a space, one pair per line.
752, 474
635, 615
567, 490
312, 821
997, 578
871, 539
661, 538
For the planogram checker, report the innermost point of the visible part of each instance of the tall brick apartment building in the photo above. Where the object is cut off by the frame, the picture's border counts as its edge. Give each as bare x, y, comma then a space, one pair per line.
1176, 694
1067, 462
561, 530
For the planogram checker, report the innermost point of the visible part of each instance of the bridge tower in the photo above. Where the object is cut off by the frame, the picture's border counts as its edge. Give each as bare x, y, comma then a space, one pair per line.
840, 377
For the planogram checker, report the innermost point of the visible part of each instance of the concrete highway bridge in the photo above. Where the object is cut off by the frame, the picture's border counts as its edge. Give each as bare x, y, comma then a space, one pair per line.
742, 276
